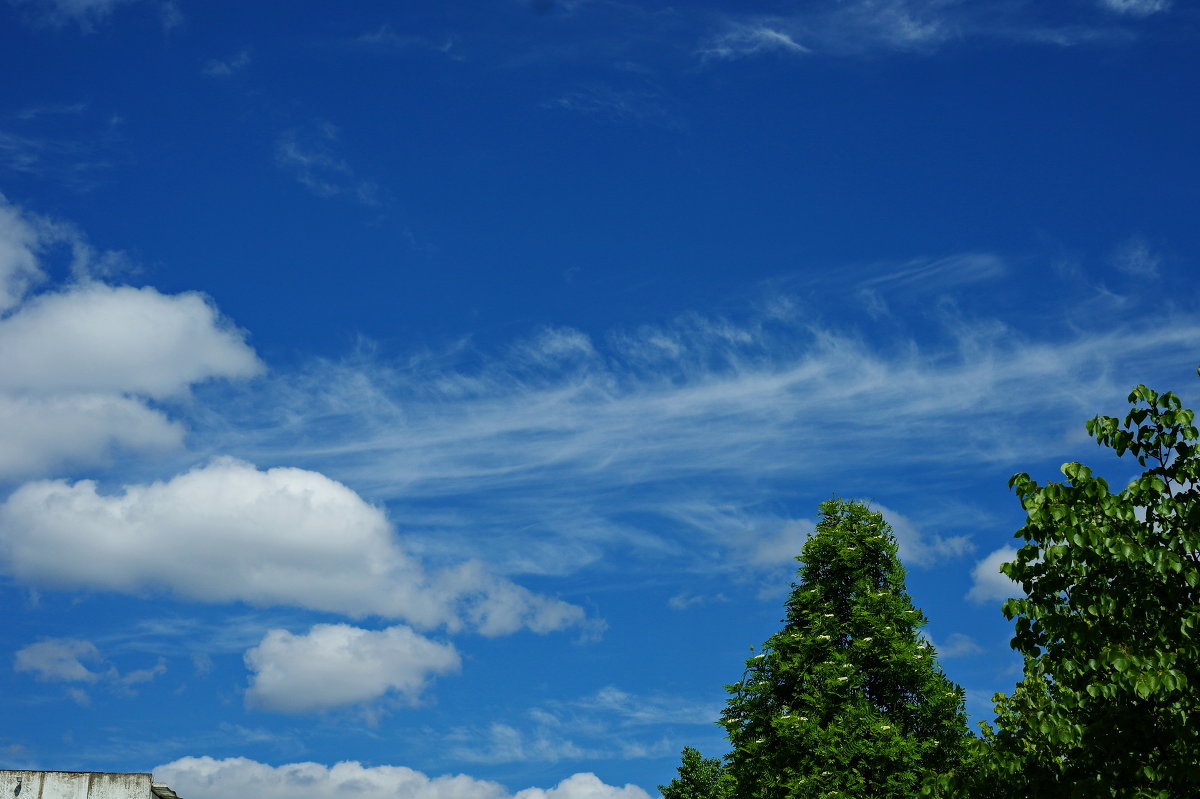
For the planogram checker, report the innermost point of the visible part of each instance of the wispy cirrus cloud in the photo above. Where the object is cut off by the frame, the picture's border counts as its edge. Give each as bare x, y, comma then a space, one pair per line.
1136, 258
1136, 8
660, 437
385, 38
838, 28
87, 14
309, 154
742, 39
610, 724
638, 106
865, 27
61, 142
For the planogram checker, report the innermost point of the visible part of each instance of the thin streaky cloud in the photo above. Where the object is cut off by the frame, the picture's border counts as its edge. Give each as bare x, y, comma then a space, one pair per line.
309, 154
1136, 8
867, 27
748, 39
87, 14
62, 109
952, 271
1136, 258
567, 439
387, 38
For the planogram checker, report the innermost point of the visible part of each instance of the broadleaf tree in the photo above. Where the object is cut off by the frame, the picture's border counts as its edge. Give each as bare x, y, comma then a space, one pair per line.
847, 700
699, 778
1110, 625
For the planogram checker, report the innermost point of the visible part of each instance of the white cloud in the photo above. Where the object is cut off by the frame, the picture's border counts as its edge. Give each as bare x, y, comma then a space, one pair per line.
670, 441
783, 545
841, 28
685, 600
868, 27
63, 660
918, 548
1136, 8
956, 645
583, 786
59, 659
234, 778
939, 274
119, 339
771, 541
988, 584
610, 724
228, 532
502, 743
43, 432
79, 364
649, 709
747, 39
334, 665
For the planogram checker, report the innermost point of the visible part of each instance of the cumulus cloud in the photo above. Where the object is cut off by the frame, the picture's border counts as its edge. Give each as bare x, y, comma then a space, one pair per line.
334, 665
81, 363
988, 584
119, 339
42, 432
583, 786
233, 778
228, 532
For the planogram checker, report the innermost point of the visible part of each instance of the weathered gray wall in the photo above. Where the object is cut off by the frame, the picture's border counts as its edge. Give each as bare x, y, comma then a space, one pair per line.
73, 785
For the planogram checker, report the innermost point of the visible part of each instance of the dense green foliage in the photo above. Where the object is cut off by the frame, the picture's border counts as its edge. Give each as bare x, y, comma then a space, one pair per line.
699, 778
1110, 701
846, 700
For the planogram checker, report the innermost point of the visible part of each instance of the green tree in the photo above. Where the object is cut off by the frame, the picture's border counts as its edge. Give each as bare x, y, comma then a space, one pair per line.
699, 778
846, 700
1110, 701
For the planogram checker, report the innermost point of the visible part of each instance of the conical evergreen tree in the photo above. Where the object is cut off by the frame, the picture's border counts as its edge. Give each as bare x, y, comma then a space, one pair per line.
846, 700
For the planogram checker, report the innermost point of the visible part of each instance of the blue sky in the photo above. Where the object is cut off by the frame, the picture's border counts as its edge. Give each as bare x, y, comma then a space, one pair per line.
429, 399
